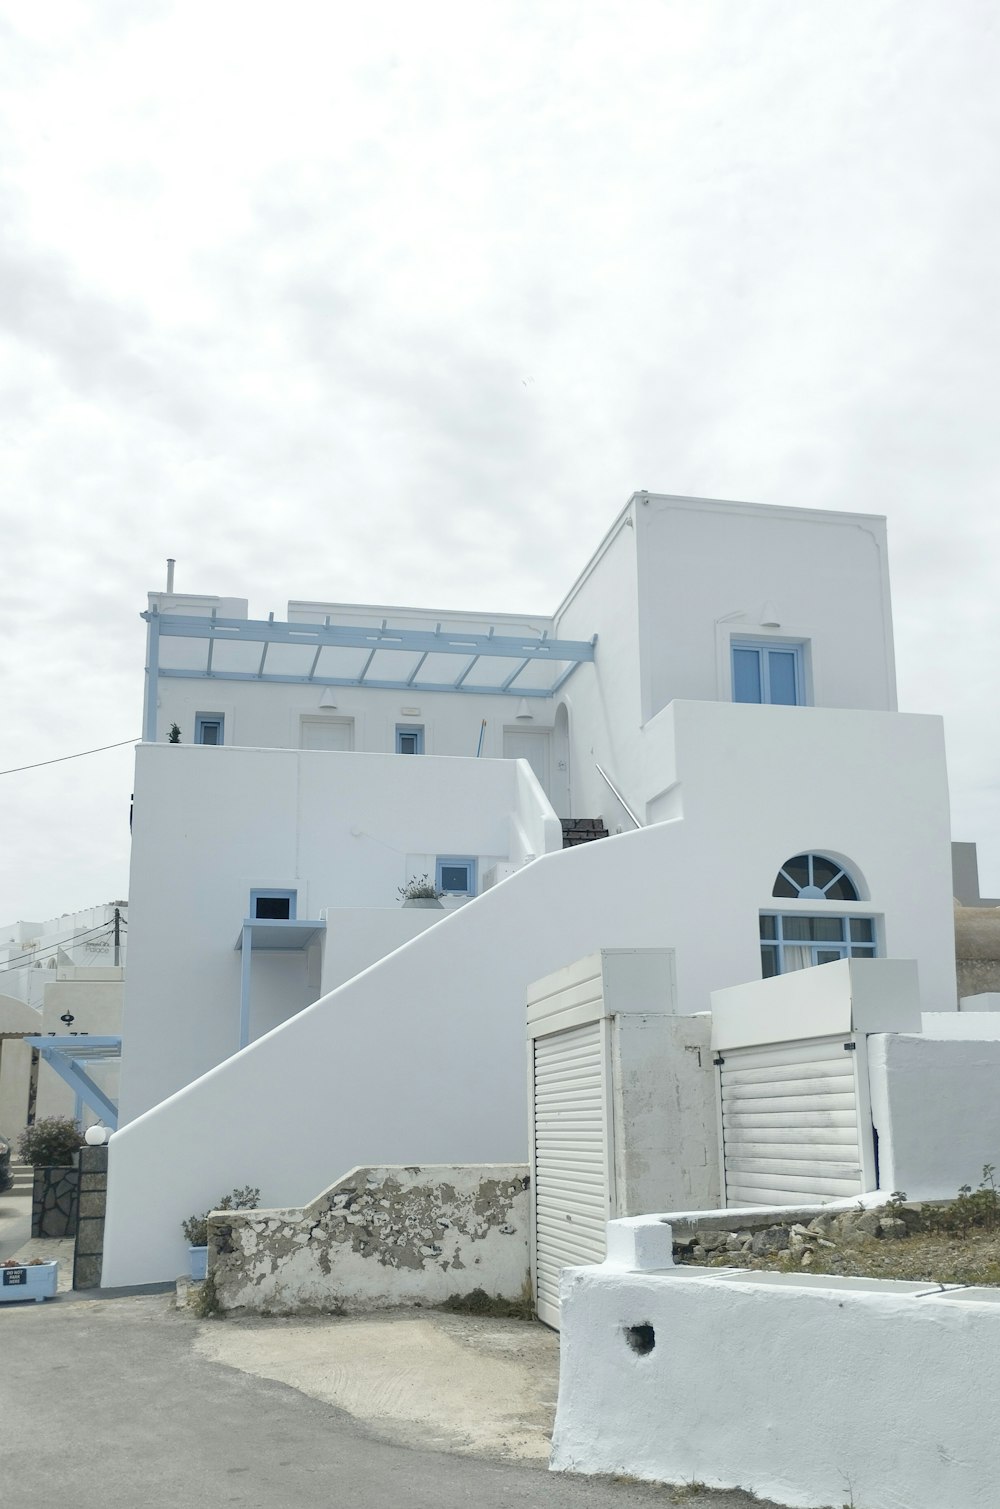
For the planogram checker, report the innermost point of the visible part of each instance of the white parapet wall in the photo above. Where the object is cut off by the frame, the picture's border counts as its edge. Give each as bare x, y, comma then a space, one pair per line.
811, 1391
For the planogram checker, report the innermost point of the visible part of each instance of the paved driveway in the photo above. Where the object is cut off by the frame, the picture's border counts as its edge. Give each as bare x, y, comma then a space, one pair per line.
121, 1404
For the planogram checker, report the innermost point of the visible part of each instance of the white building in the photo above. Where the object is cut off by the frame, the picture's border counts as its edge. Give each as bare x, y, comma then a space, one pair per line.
717, 690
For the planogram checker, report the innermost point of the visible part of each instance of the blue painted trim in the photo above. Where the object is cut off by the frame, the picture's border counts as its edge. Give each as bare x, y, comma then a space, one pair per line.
71, 1071
200, 719
152, 675
410, 728
507, 647
762, 648
246, 958
279, 894
469, 861
845, 947
391, 686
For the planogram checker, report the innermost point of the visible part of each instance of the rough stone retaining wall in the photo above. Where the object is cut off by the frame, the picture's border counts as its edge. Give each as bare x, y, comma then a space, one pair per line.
800, 1233
89, 1249
805, 1389
378, 1237
54, 1196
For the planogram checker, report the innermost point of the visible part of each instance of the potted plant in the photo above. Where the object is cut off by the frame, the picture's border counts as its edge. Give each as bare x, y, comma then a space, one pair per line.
195, 1228
420, 891
51, 1146
36, 1279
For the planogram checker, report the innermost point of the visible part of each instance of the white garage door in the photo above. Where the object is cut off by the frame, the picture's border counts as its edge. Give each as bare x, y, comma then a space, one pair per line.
795, 1124
328, 733
570, 1158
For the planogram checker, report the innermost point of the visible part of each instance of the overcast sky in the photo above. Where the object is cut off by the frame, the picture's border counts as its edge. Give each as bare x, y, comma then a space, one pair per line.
399, 302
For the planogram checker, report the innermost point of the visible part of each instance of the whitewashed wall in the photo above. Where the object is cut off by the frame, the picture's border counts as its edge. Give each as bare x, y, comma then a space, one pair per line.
345, 830
420, 1059
937, 1110
753, 1379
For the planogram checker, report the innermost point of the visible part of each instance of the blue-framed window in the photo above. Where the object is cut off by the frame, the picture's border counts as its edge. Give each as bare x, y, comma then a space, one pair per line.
764, 671
455, 876
409, 738
209, 728
790, 942
273, 905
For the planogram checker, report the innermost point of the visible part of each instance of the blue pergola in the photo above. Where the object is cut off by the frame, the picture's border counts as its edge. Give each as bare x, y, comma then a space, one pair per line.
68, 1054
379, 656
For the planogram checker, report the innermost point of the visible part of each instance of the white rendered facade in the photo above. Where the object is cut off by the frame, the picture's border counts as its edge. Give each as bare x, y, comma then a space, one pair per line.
413, 1050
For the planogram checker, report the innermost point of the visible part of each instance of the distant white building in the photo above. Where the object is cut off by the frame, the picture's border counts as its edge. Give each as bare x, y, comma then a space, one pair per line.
716, 692
59, 978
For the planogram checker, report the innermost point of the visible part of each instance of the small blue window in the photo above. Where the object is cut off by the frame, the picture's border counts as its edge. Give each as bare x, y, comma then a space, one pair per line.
409, 738
765, 672
456, 877
209, 728
273, 906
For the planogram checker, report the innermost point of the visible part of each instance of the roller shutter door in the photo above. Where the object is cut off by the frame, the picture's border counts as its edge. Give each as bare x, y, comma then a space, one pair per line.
570, 1158
791, 1129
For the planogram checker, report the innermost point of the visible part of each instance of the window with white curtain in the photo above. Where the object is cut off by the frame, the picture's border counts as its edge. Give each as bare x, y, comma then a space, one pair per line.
800, 940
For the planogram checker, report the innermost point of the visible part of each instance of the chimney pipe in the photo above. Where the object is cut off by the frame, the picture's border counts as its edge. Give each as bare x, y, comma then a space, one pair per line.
170, 573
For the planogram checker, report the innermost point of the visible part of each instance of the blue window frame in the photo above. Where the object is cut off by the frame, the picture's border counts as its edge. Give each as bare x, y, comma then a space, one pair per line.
409, 738
765, 671
273, 905
455, 876
790, 942
209, 728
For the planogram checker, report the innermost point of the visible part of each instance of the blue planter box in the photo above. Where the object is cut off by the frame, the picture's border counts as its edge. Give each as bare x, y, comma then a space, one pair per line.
198, 1261
35, 1281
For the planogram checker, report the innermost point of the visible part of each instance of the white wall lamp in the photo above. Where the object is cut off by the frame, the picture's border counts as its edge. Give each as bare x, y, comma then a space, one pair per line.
524, 713
769, 617
328, 700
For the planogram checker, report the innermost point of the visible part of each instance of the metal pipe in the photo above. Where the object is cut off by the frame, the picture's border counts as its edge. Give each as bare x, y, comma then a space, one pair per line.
170, 573
618, 796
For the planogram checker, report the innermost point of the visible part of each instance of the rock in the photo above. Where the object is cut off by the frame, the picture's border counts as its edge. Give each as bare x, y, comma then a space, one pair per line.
734, 1242
712, 1240
893, 1228
807, 1258
771, 1239
697, 1251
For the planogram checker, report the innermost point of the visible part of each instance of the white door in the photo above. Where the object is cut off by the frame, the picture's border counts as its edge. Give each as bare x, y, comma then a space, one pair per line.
570, 1158
531, 744
327, 733
796, 1123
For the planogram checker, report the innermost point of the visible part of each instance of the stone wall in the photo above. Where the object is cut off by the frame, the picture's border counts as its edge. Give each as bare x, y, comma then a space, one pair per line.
89, 1248
379, 1237
54, 1197
977, 949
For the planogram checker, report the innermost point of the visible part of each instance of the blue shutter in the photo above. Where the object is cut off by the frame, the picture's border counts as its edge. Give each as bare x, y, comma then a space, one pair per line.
782, 680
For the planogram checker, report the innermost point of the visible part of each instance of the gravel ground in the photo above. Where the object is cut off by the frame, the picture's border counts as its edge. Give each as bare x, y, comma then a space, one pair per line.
924, 1256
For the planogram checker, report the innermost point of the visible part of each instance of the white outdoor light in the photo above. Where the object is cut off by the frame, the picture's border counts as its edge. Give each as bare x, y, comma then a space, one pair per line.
524, 711
328, 699
769, 617
97, 1136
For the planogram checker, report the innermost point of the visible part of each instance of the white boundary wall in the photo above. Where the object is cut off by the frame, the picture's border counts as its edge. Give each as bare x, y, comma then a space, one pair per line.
808, 1390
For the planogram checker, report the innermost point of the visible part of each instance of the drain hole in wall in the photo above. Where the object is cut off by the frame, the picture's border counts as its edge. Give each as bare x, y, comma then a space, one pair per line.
641, 1339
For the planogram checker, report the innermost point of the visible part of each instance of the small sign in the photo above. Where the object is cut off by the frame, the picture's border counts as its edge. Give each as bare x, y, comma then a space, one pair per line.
15, 1276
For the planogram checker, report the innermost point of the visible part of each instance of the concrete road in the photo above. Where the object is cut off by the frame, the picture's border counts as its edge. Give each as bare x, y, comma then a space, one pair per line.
111, 1404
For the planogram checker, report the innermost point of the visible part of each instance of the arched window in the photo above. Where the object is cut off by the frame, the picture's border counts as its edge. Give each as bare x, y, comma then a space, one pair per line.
801, 939
813, 877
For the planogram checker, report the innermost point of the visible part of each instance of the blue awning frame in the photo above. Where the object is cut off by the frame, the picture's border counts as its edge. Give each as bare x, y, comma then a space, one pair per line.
270, 935
564, 655
66, 1055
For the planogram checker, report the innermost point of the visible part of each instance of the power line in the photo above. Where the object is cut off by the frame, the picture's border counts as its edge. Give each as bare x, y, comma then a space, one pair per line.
28, 959
78, 756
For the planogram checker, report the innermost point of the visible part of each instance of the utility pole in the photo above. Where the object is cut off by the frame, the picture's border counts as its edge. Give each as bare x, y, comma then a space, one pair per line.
118, 935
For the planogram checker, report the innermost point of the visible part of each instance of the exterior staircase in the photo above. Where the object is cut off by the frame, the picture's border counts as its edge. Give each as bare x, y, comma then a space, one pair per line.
582, 830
